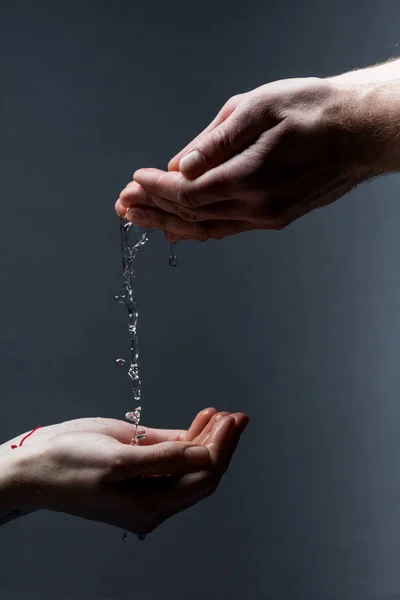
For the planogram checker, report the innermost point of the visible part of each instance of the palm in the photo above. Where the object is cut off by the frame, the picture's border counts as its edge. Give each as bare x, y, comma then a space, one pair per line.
78, 473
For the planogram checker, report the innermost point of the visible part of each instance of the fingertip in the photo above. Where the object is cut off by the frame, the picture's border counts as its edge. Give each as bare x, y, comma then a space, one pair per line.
173, 164
229, 420
208, 411
221, 432
241, 420
119, 209
192, 165
241, 416
142, 175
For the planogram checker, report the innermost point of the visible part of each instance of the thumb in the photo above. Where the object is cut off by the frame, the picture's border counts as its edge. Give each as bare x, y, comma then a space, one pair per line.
230, 137
225, 112
167, 458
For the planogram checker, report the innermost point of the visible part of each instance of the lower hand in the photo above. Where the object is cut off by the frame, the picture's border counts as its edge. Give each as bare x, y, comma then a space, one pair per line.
88, 468
270, 156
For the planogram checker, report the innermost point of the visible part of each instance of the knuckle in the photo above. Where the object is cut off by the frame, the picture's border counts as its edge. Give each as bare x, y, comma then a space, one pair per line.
116, 463
185, 197
186, 214
150, 201
231, 104
221, 142
109, 469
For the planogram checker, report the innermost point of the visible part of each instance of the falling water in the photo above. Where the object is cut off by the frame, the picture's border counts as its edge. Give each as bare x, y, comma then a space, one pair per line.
128, 298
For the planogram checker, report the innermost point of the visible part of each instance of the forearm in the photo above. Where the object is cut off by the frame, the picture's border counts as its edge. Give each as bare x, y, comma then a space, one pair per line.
377, 113
384, 72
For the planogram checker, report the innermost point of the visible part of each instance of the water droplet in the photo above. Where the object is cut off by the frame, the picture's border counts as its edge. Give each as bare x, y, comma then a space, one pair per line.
134, 415
173, 261
120, 362
141, 536
125, 537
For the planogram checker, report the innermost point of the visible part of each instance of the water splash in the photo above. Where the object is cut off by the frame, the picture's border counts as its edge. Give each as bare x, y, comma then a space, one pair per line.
127, 297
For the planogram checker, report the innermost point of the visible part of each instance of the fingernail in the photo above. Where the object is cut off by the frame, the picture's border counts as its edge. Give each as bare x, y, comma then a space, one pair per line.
138, 175
192, 165
197, 455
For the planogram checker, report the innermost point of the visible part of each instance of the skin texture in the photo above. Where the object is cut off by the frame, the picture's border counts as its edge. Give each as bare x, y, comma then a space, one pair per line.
272, 155
88, 468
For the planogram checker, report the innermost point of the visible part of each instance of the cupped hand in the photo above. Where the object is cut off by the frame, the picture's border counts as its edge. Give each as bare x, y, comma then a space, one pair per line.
88, 468
270, 156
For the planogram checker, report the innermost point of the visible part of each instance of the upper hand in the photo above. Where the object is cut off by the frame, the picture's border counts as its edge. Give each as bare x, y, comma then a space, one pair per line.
270, 156
87, 468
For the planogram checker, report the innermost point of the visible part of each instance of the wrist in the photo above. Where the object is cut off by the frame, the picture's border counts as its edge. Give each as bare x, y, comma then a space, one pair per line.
371, 116
13, 495
381, 106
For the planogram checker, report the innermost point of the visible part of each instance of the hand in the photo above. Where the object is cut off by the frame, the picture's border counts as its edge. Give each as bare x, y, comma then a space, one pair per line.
87, 468
270, 156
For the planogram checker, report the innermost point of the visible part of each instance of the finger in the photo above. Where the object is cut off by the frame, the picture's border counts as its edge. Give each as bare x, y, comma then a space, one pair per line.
233, 209
199, 424
218, 441
119, 430
211, 187
167, 222
133, 195
234, 134
223, 114
201, 231
119, 209
229, 444
186, 491
167, 458
207, 429
194, 486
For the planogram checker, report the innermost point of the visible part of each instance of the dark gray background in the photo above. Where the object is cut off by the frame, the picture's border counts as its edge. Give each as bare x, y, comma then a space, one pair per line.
300, 328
